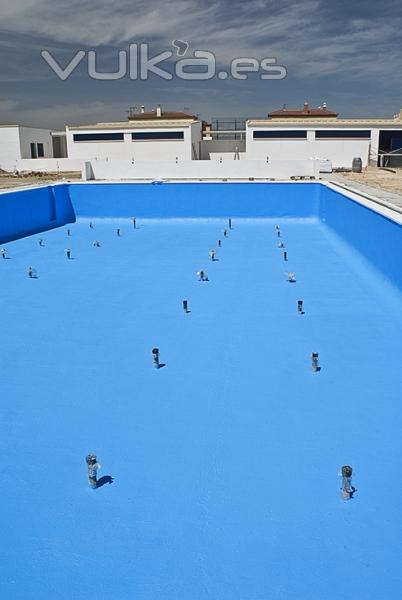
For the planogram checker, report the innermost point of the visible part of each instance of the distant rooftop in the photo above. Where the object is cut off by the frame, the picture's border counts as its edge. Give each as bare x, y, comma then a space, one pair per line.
160, 115
134, 124
305, 112
297, 122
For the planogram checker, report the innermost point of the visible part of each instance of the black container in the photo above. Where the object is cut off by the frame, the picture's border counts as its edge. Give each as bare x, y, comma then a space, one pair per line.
357, 165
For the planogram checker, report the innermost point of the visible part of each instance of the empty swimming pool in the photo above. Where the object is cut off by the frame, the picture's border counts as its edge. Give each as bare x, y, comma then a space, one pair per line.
226, 461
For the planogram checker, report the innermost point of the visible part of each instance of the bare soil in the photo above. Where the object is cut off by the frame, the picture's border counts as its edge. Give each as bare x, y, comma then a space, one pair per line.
9, 181
378, 178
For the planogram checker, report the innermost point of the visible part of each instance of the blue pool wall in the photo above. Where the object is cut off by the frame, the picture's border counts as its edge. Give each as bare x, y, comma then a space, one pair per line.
196, 200
375, 237
30, 211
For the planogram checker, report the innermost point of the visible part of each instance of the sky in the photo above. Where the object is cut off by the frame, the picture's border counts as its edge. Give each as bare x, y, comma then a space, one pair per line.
348, 54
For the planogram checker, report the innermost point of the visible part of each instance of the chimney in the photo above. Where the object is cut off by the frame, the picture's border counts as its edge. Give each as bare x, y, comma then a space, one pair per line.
158, 111
142, 109
305, 106
324, 105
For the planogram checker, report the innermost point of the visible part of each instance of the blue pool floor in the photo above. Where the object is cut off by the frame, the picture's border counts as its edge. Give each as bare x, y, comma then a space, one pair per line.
226, 461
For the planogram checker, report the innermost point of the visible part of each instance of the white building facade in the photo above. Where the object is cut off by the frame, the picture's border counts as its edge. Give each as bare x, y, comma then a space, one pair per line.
296, 137
18, 142
145, 138
338, 140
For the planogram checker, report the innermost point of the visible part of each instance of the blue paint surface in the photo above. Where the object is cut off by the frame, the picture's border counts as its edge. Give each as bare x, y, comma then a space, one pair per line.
195, 200
29, 211
225, 461
373, 235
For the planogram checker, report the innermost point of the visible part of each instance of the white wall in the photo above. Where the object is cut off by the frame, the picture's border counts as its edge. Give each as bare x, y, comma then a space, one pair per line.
29, 135
196, 137
136, 150
201, 169
95, 150
9, 147
375, 141
214, 148
161, 149
50, 165
226, 156
59, 146
15, 144
341, 152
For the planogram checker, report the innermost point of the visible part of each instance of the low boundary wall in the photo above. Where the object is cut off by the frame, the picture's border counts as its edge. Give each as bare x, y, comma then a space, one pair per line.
200, 169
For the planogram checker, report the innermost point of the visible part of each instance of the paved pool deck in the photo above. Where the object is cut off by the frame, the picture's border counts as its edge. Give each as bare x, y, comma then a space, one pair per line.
391, 198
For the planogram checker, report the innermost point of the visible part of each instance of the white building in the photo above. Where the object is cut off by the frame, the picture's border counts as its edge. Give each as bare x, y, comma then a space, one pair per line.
319, 133
164, 144
17, 142
145, 136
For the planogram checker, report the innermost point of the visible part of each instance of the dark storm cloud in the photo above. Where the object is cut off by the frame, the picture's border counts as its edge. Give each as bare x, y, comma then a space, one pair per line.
348, 54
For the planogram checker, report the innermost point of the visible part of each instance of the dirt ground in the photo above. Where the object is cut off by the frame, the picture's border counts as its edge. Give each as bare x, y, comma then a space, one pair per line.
8, 181
378, 178
372, 176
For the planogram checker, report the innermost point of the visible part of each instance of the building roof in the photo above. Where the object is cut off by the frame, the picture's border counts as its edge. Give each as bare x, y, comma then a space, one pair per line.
325, 123
141, 124
6, 126
305, 112
150, 116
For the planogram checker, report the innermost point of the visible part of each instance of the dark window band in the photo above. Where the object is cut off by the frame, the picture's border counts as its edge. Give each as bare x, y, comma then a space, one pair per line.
349, 134
157, 135
272, 135
98, 137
